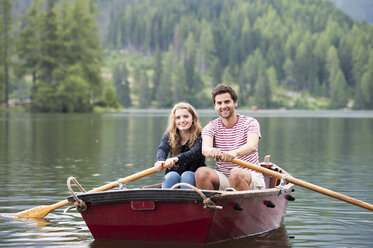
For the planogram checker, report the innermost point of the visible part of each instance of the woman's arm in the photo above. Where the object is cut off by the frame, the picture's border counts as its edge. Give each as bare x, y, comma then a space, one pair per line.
194, 152
192, 159
162, 152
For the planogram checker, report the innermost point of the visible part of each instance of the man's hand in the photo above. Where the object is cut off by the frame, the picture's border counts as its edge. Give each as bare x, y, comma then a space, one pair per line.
212, 153
227, 156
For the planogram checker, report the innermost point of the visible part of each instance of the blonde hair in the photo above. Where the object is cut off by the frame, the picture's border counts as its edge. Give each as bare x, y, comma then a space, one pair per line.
174, 139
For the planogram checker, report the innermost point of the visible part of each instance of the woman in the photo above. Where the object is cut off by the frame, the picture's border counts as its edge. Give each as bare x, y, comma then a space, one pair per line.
183, 142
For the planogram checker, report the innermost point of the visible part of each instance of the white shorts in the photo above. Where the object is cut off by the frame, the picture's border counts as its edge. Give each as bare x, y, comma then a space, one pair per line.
257, 181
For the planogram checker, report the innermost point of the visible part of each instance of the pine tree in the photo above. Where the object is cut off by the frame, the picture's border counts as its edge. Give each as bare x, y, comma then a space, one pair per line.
5, 44
165, 90
263, 91
29, 46
50, 45
190, 63
180, 85
321, 50
338, 91
254, 65
367, 84
144, 91
332, 66
121, 84
206, 51
246, 40
289, 71
82, 44
69, 64
304, 64
157, 72
45, 92
216, 72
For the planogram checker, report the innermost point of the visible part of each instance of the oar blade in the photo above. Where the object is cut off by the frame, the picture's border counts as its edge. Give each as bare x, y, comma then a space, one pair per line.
36, 212
42, 211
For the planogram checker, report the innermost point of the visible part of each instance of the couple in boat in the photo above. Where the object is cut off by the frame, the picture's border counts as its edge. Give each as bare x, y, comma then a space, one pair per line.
229, 136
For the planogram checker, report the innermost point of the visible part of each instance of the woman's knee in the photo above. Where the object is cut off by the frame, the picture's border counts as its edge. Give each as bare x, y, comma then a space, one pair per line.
170, 179
187, 174
172, 174
188, 177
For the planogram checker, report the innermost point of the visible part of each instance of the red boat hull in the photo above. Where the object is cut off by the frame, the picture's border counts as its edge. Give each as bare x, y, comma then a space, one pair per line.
186, 221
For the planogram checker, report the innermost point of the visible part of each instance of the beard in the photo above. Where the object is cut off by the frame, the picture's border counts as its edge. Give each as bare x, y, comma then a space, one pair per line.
226, 114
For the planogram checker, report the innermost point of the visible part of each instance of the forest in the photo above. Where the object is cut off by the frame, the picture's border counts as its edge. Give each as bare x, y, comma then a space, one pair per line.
73, 55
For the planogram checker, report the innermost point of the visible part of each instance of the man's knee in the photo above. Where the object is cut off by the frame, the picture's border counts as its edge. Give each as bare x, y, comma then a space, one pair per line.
206, 178
238, 174
202, 173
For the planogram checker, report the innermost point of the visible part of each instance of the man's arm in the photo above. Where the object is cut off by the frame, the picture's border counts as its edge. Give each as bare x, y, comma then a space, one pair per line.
208, 149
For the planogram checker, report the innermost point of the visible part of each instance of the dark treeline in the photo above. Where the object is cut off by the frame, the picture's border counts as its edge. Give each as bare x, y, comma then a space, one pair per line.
278, 53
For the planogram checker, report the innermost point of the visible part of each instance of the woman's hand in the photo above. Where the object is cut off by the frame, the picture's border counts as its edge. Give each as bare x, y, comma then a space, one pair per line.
171, 162
159, 165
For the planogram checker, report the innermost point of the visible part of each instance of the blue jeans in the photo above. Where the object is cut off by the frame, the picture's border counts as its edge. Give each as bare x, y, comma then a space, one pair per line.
173, 178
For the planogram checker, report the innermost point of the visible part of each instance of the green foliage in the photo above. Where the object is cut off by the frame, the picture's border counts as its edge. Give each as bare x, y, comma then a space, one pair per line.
178, 50
110, 98
339, 91
164, 93
5, 48
263, 91
120, 78
250, 71
143, 91
157, 71
366, 93
179, 84
29, 43
60, 48
72, 94
236, 41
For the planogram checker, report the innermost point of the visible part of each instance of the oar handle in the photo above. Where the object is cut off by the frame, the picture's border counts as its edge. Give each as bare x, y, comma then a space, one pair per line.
304, 184
125, 180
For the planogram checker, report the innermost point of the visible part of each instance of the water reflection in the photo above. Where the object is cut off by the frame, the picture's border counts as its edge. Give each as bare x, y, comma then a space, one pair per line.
34, 232
33, 222
275, 238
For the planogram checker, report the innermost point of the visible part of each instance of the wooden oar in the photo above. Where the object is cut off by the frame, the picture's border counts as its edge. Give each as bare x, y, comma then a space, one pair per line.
42, 211
305, 184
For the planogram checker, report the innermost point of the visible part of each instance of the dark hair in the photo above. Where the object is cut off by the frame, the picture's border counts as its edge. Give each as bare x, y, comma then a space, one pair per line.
221, 89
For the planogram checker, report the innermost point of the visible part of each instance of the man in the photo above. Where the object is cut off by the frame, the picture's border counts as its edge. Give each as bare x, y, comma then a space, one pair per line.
229, 136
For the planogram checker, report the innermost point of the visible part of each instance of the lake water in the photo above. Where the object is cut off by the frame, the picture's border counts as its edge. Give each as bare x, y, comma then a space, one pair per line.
38, 152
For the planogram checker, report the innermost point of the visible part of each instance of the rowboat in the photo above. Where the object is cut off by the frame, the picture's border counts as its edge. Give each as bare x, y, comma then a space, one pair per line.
185, 216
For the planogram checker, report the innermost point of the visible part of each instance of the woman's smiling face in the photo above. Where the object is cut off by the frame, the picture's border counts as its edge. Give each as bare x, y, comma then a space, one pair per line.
183, 119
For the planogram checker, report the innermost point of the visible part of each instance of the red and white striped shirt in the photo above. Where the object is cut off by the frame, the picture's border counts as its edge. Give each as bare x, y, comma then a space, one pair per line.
228, 139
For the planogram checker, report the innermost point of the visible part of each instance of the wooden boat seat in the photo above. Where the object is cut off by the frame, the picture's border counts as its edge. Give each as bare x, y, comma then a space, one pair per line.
271, 182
